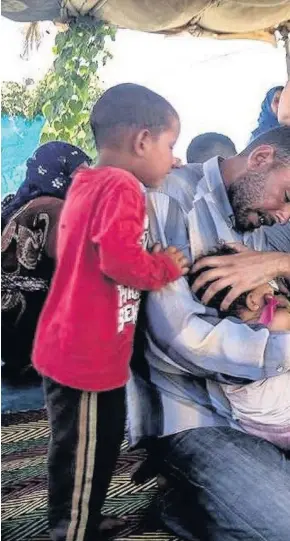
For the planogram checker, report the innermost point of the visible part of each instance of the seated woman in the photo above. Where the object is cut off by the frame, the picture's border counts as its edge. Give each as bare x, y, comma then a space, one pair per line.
29, 226
268, 118
262, 408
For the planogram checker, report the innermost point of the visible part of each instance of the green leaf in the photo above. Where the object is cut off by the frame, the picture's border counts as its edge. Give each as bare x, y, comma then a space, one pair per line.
47, 109
84, 70
61, 39
45, 138
78, 81
57, 125
75, 106
60, 93
83, 94
68, 121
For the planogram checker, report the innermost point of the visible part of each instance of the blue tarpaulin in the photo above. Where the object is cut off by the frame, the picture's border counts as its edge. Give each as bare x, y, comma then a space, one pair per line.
20, 137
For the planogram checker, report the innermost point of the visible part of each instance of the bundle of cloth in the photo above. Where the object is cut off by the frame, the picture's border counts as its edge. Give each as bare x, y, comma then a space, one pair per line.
228, 19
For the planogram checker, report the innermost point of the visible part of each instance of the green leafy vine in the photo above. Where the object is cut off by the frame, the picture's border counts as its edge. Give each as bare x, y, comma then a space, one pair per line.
73, 85
67, 93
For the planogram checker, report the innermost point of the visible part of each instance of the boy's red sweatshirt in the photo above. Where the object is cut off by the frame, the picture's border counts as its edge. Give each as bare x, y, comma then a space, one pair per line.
85, 332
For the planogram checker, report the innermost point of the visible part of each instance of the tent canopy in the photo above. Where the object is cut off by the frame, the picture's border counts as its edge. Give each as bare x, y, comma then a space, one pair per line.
254, 19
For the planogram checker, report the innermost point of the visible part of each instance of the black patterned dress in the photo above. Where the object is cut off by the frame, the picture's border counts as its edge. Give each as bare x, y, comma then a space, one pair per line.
27, 262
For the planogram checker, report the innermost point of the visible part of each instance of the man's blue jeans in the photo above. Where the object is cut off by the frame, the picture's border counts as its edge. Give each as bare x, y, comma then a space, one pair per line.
230, 486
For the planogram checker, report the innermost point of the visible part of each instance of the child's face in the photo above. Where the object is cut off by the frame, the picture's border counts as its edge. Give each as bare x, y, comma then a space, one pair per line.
256, 302
257, 298
156, 157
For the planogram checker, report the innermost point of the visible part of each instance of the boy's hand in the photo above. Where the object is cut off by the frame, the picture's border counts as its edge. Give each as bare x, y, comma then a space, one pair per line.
176, 256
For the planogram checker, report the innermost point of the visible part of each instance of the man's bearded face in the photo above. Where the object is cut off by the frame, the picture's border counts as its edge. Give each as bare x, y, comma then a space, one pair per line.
260, 198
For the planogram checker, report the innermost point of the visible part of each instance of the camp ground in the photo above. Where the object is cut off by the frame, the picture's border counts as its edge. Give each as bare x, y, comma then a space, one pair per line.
25, 432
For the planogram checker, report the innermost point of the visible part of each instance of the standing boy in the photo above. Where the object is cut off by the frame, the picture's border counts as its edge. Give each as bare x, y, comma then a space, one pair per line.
84, 339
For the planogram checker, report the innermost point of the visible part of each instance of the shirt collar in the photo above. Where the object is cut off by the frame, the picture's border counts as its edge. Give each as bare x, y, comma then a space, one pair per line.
213, 183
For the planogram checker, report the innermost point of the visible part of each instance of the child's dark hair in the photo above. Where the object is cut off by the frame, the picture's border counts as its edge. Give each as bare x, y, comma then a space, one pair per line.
129, 106
207, 145
216, 301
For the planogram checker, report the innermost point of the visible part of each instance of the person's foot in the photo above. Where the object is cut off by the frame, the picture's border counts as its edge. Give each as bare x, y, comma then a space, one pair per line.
110, 524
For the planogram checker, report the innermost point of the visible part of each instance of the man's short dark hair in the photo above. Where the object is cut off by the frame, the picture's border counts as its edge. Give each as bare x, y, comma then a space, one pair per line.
129, 106
277, 137
207, 145
216, 301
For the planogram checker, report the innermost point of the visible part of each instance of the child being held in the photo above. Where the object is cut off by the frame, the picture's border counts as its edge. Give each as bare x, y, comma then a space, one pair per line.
85, 333
262, 408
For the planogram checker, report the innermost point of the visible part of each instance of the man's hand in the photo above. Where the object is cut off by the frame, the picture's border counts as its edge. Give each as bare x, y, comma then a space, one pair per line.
176, 256
241, 272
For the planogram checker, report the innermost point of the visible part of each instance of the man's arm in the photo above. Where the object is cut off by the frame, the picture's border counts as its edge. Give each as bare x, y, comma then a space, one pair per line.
195, 339
269, 238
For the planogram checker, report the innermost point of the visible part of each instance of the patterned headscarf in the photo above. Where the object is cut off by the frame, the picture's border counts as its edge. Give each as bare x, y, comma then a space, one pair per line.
49, 172
267, 119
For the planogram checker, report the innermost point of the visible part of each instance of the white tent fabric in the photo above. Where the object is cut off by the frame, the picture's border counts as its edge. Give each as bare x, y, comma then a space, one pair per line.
255, 19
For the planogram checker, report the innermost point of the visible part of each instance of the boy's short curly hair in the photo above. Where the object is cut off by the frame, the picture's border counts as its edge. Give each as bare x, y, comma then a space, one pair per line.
125, 107
238, 304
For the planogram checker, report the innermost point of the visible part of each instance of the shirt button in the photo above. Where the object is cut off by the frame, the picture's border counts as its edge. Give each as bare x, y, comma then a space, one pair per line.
280, 369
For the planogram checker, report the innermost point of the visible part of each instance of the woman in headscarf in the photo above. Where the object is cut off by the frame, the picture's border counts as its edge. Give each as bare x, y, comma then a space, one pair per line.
268, 118
29, 227
284, 106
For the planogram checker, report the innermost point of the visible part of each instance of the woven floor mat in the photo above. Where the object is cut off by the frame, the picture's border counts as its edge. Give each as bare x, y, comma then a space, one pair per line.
24, 486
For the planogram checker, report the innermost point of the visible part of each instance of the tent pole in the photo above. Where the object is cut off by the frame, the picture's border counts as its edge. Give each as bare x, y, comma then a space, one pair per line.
285, 34
287, 50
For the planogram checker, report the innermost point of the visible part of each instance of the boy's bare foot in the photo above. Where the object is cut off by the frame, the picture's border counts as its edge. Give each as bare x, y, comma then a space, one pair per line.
110, 523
